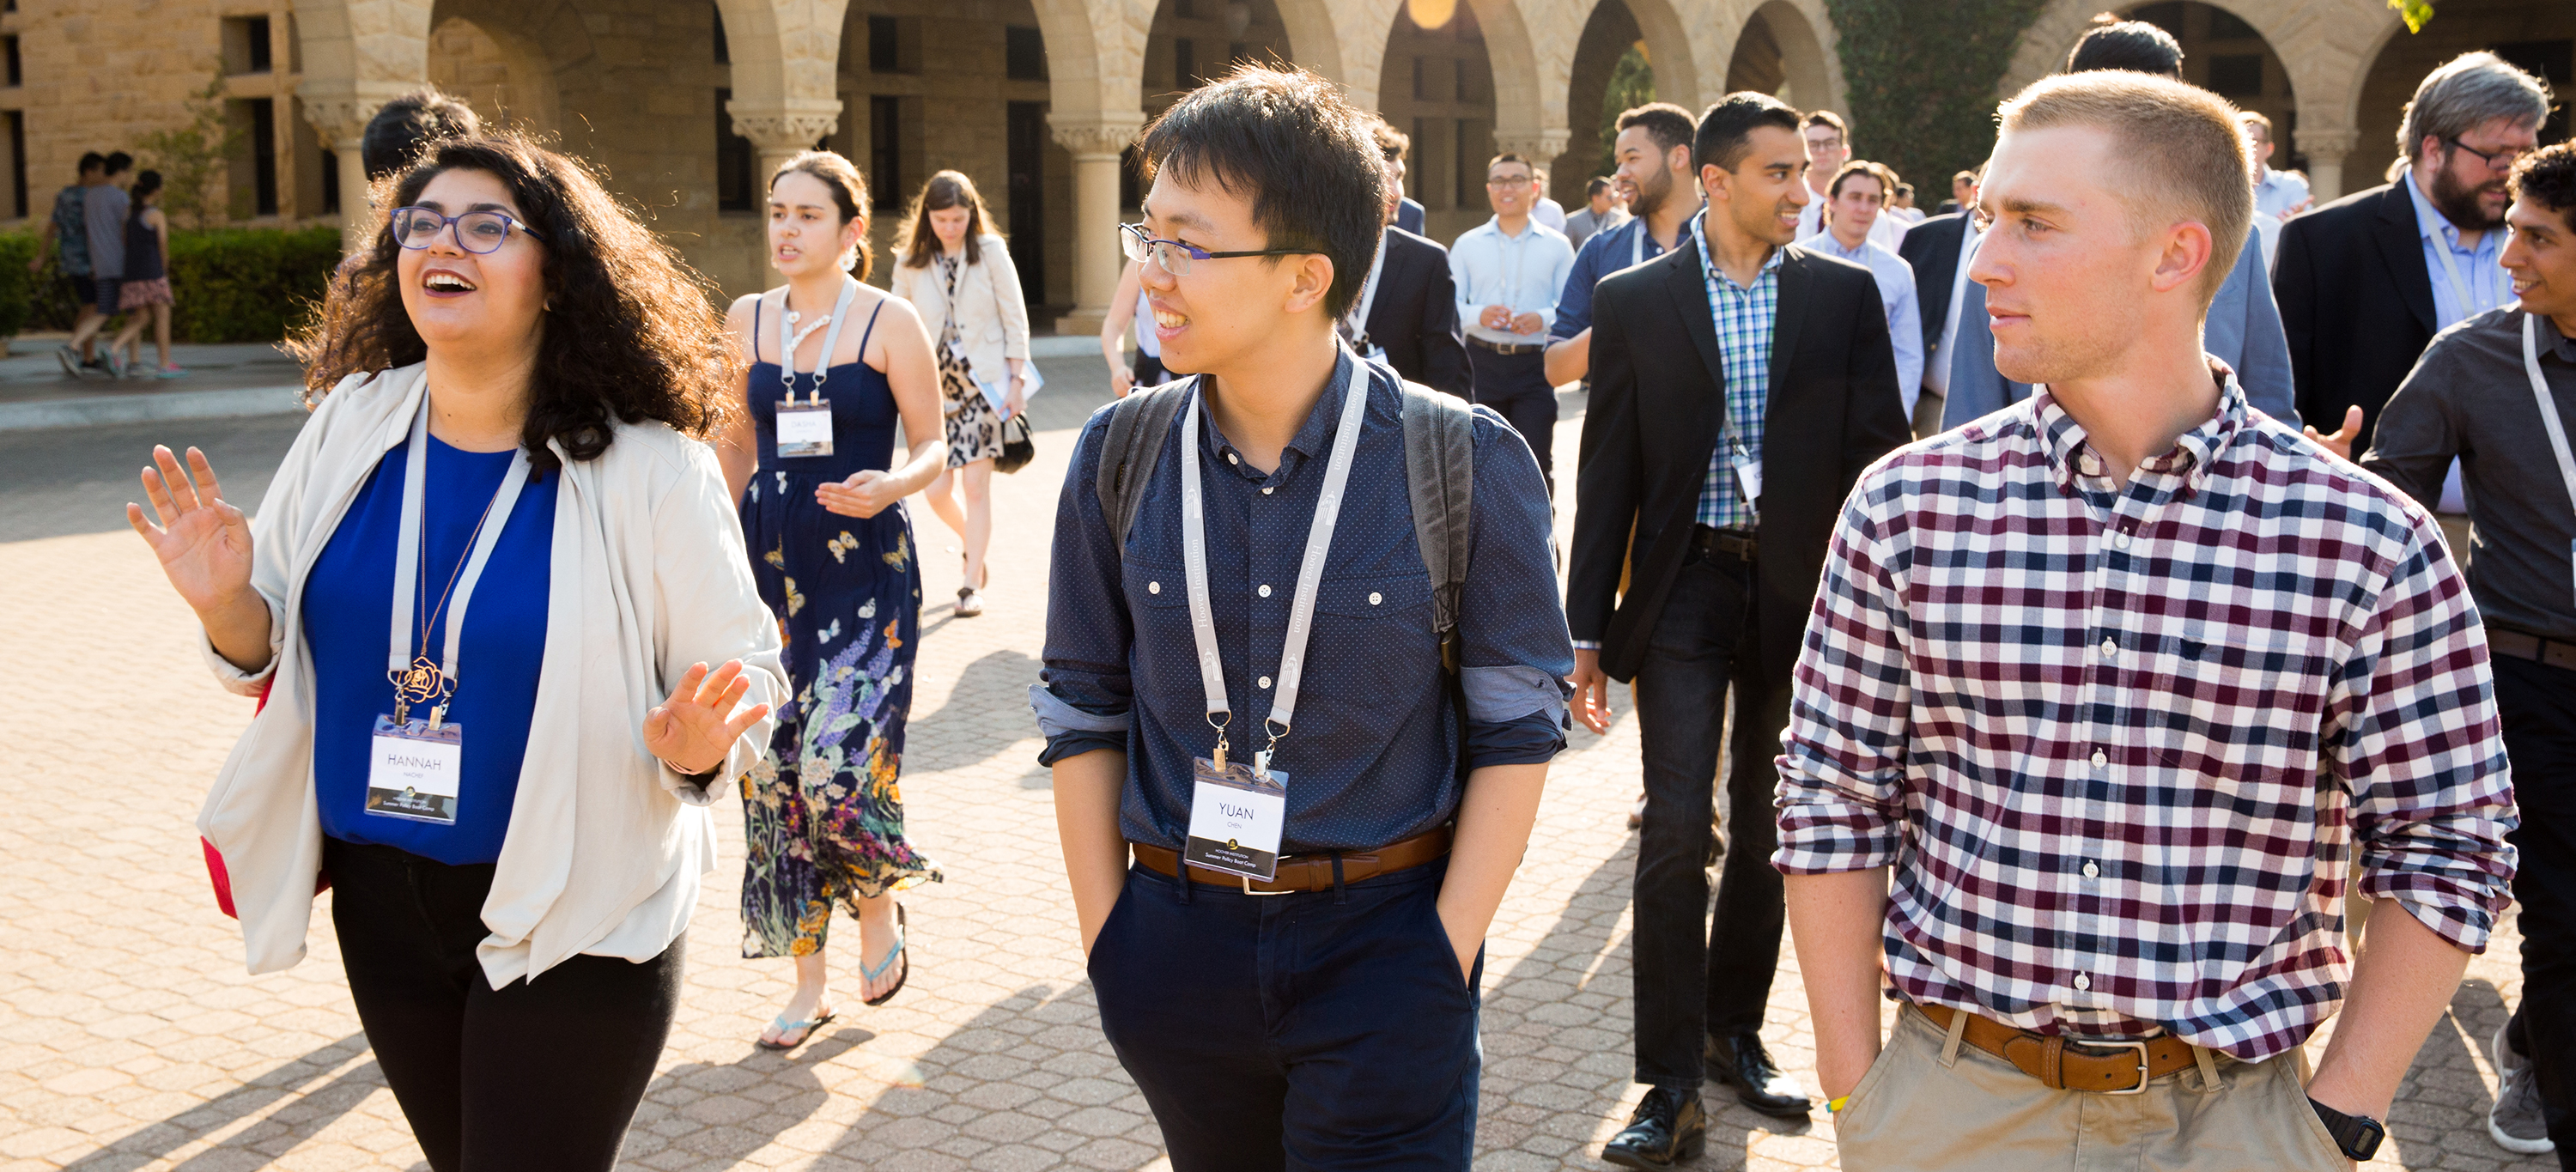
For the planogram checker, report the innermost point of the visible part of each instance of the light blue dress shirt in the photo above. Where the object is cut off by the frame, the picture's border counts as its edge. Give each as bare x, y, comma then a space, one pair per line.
1521, 273
2481, 269
1896, 295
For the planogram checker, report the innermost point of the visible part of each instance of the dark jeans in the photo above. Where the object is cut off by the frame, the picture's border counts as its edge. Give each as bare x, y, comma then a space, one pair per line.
1515, 386
1693, 981
1309, 1031
2538, 704
544, 1074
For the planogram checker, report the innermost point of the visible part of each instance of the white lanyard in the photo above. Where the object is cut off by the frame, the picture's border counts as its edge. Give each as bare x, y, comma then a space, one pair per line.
2548, 403
1359, 315
2460, 288
1637, 245
831, 341
1310, 574
415, 681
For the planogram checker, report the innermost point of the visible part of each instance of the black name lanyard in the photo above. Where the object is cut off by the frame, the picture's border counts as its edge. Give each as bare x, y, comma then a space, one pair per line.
1310, 574
416, 680
2549, 416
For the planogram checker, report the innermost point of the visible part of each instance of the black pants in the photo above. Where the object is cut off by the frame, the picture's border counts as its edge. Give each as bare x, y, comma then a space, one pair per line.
2538, 703
1321, 1031
542, 1075
1515, 386
1693, 980
1148, 371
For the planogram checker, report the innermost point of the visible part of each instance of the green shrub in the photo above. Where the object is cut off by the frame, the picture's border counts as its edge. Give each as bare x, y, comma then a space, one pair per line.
228, 284
1922, 80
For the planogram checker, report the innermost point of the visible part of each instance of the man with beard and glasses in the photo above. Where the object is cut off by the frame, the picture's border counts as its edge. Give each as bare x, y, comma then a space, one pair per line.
2366, 281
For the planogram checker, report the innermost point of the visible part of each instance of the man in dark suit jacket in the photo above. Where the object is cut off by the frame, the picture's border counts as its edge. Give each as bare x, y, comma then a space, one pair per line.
1408, 214
1413, 314
1713, 606
1933, 248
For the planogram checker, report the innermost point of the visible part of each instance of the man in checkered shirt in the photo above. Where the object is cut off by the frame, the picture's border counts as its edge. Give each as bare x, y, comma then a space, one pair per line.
2113, 685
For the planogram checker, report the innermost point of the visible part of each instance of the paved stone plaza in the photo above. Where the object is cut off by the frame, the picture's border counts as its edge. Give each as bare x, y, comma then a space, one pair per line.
131, 1039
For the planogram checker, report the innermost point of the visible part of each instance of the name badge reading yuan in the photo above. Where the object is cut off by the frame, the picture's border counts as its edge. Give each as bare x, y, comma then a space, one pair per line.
413, 769
804, 429
1236, 817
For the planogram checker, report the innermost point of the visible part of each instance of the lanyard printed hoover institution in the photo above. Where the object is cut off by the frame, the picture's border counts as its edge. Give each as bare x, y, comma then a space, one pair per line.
2549, 418
1237, 814
805, 429
415, 763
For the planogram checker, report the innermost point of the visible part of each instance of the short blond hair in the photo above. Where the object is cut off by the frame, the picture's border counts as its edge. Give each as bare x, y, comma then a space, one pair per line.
2180, 154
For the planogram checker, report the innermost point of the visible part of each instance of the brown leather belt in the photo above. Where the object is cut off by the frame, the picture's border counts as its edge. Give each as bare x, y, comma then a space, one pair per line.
1307, 872
1708, 539
2523, 646
1506, 347
2121, 1068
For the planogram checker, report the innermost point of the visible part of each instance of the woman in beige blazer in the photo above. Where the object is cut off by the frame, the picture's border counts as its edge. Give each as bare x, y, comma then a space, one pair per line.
957, 272
516, 376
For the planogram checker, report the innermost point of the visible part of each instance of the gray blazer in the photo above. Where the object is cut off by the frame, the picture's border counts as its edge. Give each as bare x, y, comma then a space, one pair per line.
2244, 331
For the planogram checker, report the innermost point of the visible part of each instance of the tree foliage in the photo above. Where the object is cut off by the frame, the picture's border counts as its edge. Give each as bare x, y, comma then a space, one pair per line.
2414, 12
1922, 76
1632, 84
193, 156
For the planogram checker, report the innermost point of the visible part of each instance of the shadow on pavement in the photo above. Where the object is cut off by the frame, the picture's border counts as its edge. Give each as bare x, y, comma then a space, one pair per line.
704, 1103
303, 1111
968, 734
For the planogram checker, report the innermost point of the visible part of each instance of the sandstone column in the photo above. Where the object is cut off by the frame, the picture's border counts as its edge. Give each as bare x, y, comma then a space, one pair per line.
1095, 143
777, 134
2326, 151
340, 123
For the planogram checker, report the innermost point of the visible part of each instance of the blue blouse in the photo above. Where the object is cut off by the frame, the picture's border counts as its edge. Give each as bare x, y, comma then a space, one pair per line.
348, 605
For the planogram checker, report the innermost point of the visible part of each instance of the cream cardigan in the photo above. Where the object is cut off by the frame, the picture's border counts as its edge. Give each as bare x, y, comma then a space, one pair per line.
992, 320
605, 845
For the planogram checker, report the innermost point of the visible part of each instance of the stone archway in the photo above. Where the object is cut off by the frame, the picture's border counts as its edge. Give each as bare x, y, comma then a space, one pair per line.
2324, 45
1605, 36
358, 54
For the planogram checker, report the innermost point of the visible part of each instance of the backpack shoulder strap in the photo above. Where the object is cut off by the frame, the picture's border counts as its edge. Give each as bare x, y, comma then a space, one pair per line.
1440, 475
1128, 453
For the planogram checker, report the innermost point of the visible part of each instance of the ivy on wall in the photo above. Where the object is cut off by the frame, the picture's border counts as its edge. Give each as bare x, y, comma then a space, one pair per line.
1921, 76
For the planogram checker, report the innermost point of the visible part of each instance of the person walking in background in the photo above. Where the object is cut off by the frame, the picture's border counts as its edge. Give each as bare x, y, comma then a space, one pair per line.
1600, 212
404, 126
1393, 145
1828, 148
1902, 204
2278, 195
1858, 194
144, 293
103, 212
1508, 271
1131, 306
2097, 839
1938, 250
1732, 366
835, 365
511, 398
952, 266
1546, 210
2243, 328
66, 231
2497, 393
1963, 193
2367, 280
1653, 149
1407, 310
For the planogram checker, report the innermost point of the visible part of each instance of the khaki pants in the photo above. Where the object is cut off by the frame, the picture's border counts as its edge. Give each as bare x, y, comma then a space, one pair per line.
1983, 1114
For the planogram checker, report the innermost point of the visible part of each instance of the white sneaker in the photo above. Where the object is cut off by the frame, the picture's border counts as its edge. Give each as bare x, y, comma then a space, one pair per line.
2515, 1120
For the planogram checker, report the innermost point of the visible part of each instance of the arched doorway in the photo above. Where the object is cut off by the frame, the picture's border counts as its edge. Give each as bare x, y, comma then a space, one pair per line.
2226, 55
1613, 70
1193, 41
504, 75
1780, 53
1437, 85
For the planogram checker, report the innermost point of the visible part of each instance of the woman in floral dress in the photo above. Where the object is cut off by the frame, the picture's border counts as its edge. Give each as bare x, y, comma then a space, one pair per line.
835, 365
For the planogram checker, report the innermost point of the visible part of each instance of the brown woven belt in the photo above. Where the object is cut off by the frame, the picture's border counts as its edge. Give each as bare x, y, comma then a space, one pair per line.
1307, 872
2522, 646
2122, 1068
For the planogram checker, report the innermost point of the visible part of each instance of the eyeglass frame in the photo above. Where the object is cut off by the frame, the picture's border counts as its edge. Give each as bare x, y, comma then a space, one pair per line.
1138, 246
447, 224
2511, 155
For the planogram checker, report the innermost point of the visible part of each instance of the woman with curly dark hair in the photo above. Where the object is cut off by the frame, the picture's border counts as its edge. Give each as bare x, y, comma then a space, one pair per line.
511, 395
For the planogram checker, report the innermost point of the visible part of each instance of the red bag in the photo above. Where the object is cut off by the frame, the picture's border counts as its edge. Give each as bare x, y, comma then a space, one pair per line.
215, 872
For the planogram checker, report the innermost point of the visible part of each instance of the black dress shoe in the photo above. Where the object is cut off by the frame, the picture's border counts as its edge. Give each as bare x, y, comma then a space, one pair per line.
1667, 1129
1739, 1061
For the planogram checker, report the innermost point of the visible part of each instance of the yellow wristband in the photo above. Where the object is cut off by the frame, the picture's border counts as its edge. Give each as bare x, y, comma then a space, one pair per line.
1835, 1106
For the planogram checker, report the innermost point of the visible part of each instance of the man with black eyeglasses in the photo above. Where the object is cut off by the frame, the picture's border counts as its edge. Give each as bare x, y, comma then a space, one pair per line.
1509, 271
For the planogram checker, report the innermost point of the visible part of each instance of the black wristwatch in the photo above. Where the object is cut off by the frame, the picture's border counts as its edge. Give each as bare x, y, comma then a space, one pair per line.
2357, 1135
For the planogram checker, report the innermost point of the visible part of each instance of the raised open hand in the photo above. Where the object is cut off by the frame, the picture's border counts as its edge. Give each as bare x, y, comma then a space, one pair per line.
2340, 443
690, 731
203, 541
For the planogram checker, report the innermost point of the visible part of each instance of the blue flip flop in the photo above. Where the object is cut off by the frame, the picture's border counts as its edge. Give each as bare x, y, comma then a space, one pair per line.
804, 1031
870, 972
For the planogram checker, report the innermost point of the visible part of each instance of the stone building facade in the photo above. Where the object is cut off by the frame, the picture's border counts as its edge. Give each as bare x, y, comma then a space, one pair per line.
684, 103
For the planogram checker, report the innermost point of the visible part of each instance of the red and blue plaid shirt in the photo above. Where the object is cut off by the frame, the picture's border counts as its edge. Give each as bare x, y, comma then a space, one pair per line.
2119, 742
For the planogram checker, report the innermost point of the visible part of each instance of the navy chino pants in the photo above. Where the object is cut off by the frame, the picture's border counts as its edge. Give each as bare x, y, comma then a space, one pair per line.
1310, 1031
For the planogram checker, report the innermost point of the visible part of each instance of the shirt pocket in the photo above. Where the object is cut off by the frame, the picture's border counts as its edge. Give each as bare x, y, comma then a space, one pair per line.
1372, 644
1158, 605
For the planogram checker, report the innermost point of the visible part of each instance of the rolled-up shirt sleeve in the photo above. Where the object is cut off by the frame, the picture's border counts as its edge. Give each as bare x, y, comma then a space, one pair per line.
1574, 300
1842, 769
1084, 699
1514, 654
2422, 751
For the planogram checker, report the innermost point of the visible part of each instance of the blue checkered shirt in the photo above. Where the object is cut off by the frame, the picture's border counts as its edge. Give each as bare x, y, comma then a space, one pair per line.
1744, 317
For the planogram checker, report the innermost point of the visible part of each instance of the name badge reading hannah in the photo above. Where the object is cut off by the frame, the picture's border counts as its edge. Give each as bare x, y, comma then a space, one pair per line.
804, 429
1236, 817
413, 770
